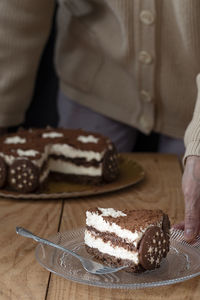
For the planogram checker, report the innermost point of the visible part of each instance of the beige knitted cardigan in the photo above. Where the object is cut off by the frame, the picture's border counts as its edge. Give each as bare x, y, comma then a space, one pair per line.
133, 60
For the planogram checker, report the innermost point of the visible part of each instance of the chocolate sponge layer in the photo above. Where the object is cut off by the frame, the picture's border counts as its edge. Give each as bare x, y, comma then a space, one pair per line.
113, 261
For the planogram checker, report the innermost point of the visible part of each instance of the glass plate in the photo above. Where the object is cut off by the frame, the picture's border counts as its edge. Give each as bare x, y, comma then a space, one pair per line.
130, 173
182, 263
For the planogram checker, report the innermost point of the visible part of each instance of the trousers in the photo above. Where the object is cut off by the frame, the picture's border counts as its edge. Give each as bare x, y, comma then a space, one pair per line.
74, 115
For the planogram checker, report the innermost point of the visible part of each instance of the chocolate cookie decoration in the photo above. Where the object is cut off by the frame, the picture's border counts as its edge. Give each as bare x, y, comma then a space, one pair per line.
23, 176
110, 166
153, 247
3, 172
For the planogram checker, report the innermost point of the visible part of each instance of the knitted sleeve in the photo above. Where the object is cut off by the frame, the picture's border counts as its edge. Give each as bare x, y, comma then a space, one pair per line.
192, 134
24, 29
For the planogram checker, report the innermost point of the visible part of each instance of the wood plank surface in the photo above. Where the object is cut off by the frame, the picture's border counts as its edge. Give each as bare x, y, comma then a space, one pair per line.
21, 277
161, 188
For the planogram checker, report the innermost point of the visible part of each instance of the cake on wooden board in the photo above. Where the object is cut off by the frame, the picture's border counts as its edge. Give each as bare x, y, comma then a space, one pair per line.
28, 156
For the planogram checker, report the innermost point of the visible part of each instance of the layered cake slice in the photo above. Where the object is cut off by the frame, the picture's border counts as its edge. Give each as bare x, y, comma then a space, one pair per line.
138, 239
29, 156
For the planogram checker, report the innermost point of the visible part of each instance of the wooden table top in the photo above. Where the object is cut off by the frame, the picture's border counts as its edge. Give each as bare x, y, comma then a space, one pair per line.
22, 278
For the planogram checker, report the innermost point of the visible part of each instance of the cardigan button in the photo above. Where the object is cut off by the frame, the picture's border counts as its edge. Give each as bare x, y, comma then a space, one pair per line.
144, 123
146, 96
147, 17
145, 57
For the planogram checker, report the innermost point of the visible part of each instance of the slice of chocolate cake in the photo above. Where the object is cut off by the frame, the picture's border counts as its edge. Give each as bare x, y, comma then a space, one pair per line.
136, 238
28, 156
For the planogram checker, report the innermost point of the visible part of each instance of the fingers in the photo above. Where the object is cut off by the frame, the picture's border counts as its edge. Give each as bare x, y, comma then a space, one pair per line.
191, 223
180, 226
191, 191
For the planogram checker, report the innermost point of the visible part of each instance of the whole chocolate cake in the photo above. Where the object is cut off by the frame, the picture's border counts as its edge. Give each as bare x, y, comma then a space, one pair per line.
28, 156
138, 239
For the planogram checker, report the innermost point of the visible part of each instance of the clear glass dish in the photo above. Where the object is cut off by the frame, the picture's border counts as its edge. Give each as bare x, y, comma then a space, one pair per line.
182, 263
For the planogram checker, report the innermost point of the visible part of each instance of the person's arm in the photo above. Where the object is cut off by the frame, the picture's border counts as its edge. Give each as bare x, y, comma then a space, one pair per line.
24, 29
191, 175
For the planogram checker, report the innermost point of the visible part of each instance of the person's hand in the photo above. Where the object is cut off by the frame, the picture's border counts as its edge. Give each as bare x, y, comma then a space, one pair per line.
191, 192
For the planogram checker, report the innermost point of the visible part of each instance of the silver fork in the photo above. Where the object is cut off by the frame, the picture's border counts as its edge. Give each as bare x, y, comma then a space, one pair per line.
88, 264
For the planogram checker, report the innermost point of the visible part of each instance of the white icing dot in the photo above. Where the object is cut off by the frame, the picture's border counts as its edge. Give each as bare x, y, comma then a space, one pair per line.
15, 140
151, 260
106, 212
12, 171
52, 134
157, 260
88, 139
13, 180
150, 250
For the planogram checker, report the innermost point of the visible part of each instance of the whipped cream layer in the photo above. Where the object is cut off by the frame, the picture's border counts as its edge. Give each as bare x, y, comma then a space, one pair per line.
66, 167
54, 149
107, 248
71, 152
60, 165
97, 221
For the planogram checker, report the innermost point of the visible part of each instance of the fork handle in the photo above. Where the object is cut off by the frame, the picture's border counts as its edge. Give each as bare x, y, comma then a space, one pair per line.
24, 232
